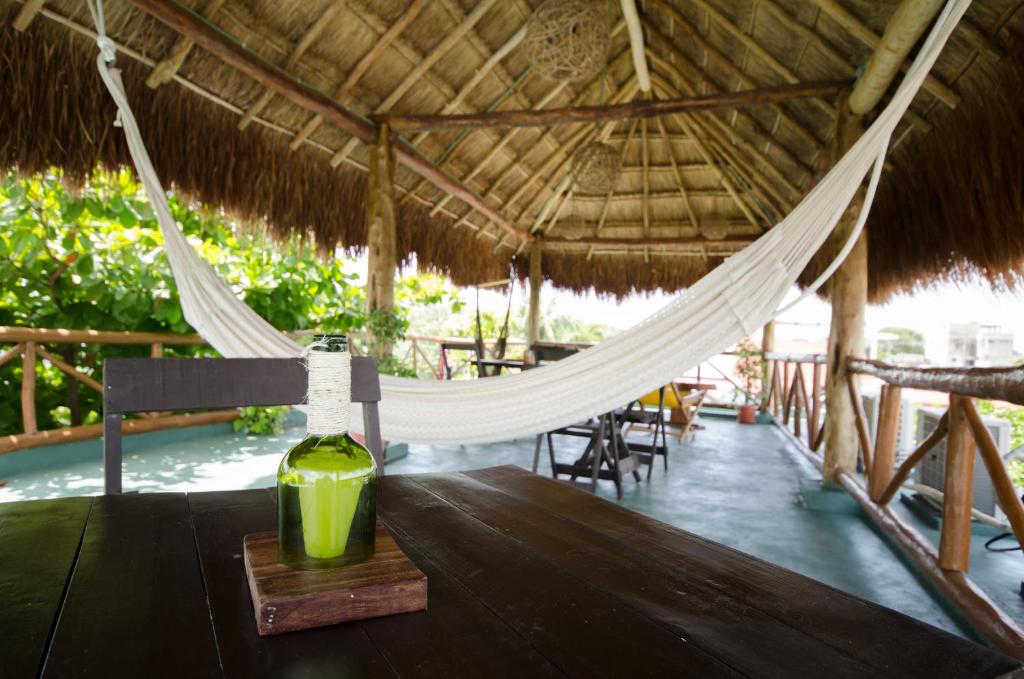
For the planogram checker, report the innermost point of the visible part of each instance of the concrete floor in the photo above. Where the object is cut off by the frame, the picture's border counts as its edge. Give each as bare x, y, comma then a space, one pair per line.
738, 485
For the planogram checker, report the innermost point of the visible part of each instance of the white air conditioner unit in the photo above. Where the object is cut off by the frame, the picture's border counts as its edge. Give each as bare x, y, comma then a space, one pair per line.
931, 470
907, 431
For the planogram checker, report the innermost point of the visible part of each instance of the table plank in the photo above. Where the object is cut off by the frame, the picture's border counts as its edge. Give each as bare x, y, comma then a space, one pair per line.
38, 544
221, 520
580, 628
135, 605
855, 627
745, 638
457, 637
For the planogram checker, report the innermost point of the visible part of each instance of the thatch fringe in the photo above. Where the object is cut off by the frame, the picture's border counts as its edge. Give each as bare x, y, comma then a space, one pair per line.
620, 275
55, 112
952, 207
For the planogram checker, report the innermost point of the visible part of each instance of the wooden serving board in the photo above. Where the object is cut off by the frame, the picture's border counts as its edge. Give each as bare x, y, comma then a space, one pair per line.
286, 599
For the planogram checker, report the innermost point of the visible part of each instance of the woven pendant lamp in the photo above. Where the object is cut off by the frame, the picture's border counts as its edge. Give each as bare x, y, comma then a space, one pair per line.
713, 227
595, 167
568, 39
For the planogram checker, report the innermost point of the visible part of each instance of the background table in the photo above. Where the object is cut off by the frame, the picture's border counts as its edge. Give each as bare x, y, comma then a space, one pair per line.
528, 578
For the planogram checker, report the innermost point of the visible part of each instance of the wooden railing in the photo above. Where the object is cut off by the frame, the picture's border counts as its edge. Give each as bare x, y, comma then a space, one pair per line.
32, 345
795, 399
965, 434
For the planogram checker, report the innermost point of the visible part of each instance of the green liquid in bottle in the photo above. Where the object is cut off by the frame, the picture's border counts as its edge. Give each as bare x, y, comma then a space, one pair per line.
326, 495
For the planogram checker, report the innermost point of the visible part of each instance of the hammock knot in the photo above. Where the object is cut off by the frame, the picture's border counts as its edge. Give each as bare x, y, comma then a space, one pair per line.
107, 48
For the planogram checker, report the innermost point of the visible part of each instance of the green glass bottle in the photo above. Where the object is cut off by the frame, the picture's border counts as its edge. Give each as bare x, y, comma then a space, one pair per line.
327, 484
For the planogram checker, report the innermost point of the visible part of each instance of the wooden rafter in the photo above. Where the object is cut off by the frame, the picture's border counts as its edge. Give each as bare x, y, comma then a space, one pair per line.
167, 68
722, 130
756, 48
670, 148
23, 19
560, 157
221, 45
416, 74
311, 35
691, 126
363, 65
548, 138
643, 108
611, 189
711, 50
812, 37
764, 136
511, 134
645, 160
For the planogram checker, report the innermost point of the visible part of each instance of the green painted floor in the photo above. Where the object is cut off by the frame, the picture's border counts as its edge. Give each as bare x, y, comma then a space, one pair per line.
738, 485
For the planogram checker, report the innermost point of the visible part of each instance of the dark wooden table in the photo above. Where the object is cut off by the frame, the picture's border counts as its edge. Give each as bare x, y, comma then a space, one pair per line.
528, 578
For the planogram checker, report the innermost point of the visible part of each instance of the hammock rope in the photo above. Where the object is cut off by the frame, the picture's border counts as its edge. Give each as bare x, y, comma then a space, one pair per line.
731, 302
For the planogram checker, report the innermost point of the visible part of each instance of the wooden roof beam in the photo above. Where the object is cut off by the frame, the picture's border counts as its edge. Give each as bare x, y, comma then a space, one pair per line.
643, 108
636, 44
221, 45
908, 22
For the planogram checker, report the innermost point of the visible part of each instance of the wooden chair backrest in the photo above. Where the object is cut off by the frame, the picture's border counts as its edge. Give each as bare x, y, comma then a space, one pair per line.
134, 385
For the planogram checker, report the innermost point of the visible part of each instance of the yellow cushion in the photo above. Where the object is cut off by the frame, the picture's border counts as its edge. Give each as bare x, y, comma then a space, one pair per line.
671, 401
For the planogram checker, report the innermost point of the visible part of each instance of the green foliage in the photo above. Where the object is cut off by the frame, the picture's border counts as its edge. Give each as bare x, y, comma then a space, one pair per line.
1016, 469
92, 258
262, 420
392, 365
1014, 414
905, 341
748, 369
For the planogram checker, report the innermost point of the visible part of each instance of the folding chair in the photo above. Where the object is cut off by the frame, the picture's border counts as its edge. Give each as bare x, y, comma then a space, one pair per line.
134, 385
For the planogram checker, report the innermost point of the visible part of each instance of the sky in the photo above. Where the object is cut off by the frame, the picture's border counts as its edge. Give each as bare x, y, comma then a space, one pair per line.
929, 311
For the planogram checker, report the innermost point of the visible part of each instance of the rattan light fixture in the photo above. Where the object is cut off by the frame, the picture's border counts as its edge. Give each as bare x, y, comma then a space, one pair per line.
713, 227
595, 167
568, 39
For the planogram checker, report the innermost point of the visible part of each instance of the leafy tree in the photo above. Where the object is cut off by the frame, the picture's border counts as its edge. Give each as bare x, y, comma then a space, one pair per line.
92, 257
904, 341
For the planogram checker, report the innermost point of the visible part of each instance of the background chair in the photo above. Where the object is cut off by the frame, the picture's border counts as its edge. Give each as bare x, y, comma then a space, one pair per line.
134, 385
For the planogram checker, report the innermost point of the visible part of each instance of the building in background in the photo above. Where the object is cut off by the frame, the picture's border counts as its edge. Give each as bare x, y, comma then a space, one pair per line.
978, 344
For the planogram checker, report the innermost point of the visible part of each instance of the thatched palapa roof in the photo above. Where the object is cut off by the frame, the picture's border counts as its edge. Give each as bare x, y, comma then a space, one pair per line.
694, 187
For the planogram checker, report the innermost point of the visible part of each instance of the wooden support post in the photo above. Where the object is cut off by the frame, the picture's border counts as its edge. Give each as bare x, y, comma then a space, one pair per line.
848, 294
885, 440
815, 404
996, 468
382, 236
955, 542
536, 281
767, 345
28, 388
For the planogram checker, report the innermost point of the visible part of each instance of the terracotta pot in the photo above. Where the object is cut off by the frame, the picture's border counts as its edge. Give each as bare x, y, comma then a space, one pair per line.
747, 414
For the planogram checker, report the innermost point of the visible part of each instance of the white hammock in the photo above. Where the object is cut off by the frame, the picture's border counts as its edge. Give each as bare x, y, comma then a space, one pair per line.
728, 304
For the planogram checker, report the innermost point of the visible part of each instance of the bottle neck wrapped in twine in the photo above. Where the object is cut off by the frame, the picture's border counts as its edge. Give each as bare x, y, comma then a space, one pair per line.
330, 392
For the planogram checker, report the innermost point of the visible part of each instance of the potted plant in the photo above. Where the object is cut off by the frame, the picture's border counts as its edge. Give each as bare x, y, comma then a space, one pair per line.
748, 370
